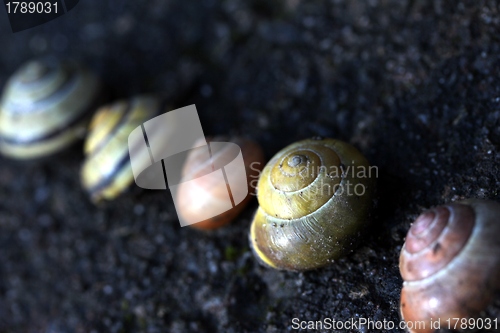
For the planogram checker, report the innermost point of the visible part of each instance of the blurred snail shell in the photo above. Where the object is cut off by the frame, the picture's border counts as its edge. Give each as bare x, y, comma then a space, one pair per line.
314, 197
45, 107
203, 196
450, 263
106, 171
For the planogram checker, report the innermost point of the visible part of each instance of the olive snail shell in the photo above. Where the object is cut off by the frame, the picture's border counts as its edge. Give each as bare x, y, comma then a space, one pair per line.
45, 107
192, 204
450, 263
312, 207
106, 171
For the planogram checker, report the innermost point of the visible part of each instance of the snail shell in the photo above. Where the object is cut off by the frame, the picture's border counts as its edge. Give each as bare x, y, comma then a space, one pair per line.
106, 171
45, 107
450, 263
202, 197
314, 197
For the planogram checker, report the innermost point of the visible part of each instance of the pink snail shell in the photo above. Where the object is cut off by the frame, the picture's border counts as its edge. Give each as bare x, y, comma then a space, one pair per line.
208, 196
450, 263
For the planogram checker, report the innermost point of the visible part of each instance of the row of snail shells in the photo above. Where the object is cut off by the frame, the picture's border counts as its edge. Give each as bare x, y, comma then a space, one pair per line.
314, 201
450, 264
312, 207
106, 170
202, 196
45, 107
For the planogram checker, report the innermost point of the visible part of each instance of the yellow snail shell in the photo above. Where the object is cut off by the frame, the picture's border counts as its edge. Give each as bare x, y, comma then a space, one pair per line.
201, 197
106, 171
450, 264
45, 107
314, 197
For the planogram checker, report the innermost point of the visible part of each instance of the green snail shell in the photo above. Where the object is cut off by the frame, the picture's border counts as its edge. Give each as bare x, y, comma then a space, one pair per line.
45, 107
106, 171
314, 200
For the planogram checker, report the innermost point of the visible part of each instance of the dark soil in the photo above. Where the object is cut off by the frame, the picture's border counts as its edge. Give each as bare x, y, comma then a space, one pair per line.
412, 84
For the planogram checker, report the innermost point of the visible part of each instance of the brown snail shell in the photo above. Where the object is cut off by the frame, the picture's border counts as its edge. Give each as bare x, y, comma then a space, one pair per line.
312, 209
45, 107
106, 171
200, 197
450, 263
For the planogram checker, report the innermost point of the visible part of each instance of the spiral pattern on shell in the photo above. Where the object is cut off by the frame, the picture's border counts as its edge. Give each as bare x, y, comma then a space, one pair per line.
450, 263
314, 197
45, 107
106, 171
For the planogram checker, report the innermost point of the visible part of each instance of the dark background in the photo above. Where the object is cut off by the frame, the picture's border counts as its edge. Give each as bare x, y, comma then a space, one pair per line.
412, 84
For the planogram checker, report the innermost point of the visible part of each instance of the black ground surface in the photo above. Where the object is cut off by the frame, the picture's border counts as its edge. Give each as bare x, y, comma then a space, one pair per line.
413, 84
